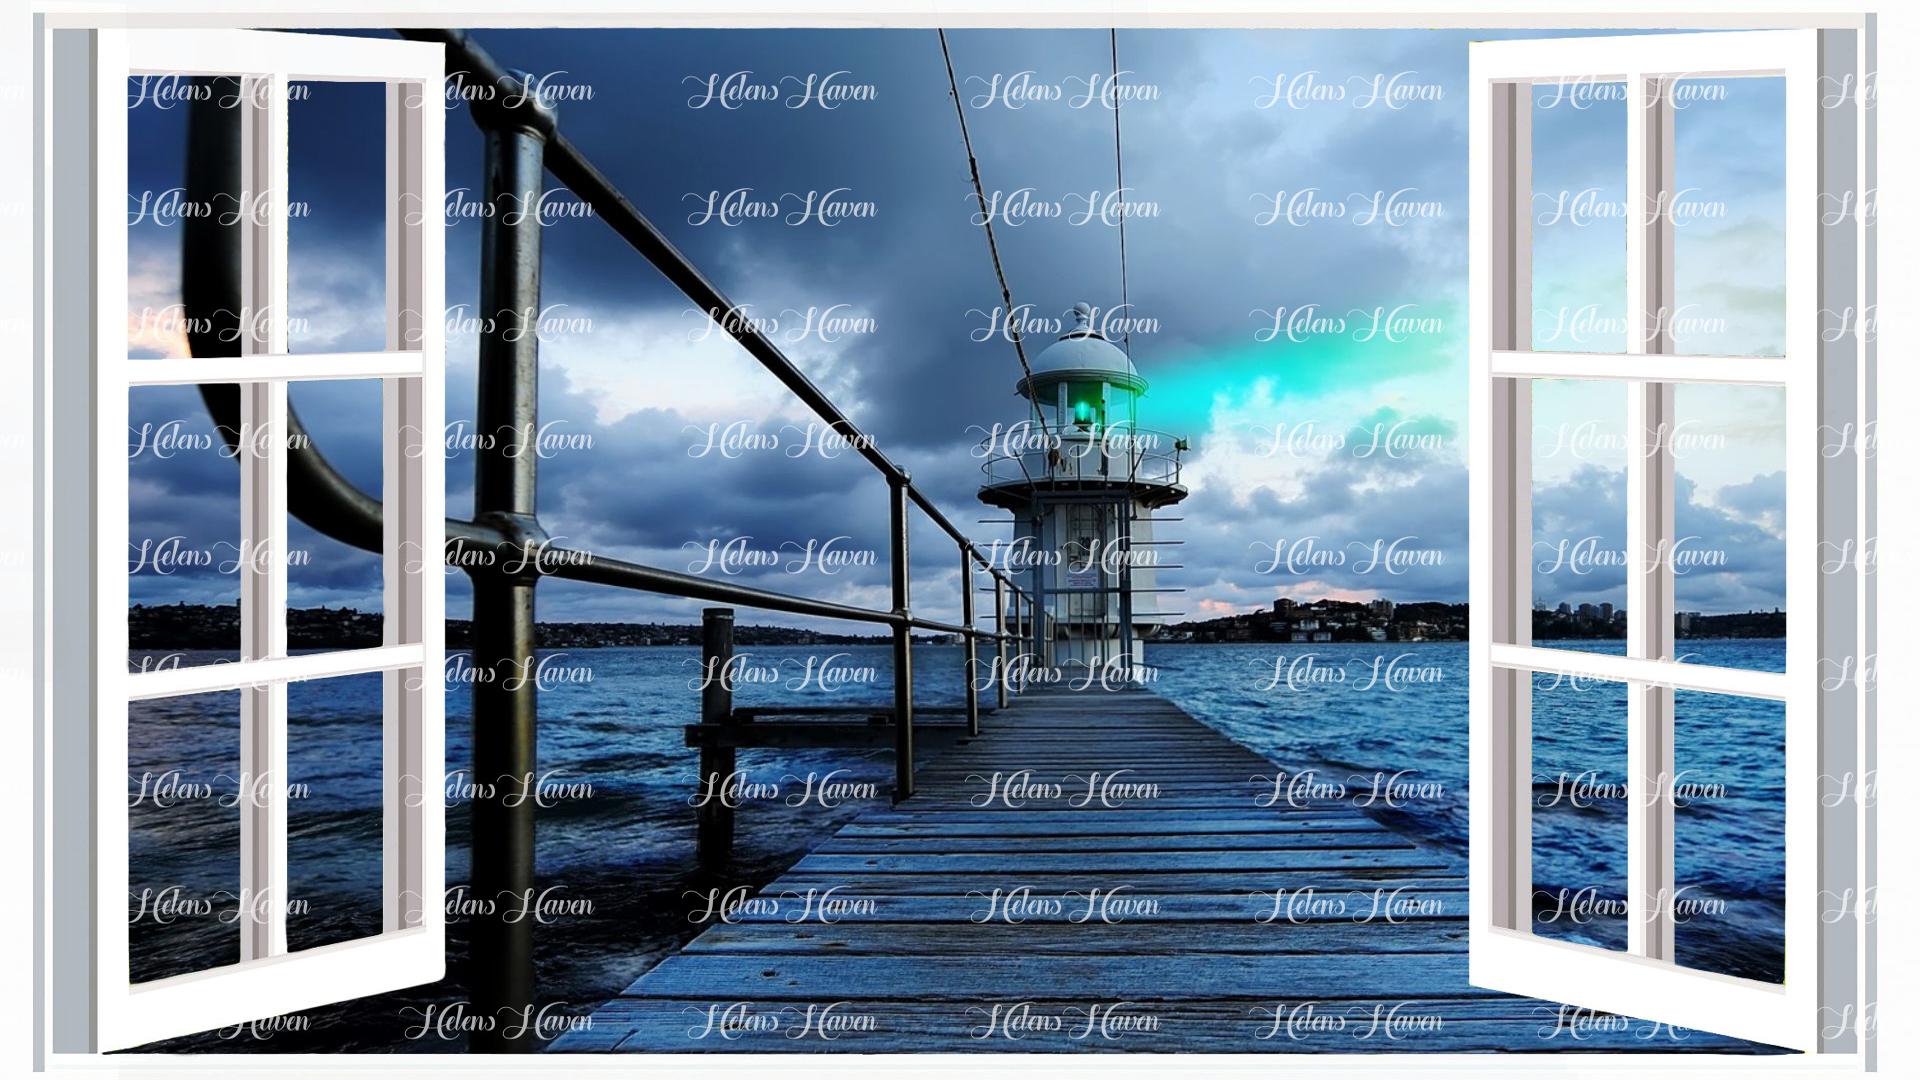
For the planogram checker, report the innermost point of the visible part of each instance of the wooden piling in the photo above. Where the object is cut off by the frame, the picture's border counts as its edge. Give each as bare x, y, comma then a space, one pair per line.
714, 817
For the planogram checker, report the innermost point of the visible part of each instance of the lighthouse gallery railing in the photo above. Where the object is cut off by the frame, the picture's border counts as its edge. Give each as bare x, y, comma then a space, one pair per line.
1115, 453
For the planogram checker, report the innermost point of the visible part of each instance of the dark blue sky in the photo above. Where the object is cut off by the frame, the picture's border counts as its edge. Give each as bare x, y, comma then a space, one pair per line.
631, 379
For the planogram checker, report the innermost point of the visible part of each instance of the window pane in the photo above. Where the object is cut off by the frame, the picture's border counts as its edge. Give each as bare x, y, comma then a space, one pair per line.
1729, 555
335, 590
334, 731
157, 210
1579, 512
1729, 217
1579, 216
1729, 828
1580, 809
183, 834
183, 529
336, 209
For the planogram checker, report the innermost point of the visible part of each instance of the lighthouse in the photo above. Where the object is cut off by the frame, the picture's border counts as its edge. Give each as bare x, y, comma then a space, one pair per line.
1082, 480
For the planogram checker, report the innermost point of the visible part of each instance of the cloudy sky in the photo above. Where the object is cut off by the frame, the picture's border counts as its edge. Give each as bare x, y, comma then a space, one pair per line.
1297, 273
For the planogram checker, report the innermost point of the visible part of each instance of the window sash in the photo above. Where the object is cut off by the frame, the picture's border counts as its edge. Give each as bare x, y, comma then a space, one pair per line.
1812, 1009
411, 947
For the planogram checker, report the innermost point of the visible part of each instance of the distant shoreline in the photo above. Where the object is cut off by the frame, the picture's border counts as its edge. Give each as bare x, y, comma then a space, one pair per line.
217, 627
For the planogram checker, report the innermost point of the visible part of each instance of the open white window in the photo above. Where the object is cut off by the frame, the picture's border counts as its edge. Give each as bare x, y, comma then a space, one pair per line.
100, 1000
1810, 361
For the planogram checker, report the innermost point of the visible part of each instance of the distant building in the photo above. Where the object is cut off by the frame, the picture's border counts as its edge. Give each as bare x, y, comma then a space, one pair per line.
1381, 609
1606, 612
1587, 611
1283, 606
1564, 608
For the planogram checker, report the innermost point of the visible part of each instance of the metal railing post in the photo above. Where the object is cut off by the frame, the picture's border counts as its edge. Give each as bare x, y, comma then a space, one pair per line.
1124, 527
973, 652
902, 643
1037, 598
713, 815
505, 704
1025, 632
1000, 639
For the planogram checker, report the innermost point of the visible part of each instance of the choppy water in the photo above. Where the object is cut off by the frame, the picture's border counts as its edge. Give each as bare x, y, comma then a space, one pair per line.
1390, 724
616, 833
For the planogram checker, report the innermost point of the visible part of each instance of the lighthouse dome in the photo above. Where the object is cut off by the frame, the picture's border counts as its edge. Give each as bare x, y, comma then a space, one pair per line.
1085, 352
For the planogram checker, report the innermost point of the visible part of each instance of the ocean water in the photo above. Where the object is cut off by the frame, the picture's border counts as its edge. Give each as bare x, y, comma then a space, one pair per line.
1384, 725
1388, 725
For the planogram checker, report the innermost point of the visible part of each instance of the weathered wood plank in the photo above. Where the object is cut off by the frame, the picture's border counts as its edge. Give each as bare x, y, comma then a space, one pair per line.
1402, 1025
1348, 1026
835, 905
969, 845
1164, 823
1350, 878
1132, 862
1120, 938
915, 812
1007, 825
937, 801
775, 977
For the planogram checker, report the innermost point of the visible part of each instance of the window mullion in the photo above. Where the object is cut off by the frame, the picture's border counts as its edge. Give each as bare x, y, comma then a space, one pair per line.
1650, 519
1509, 522
410, 437
262, 563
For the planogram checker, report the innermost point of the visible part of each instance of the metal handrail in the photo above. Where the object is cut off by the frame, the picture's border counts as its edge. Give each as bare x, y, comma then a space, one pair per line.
572, 169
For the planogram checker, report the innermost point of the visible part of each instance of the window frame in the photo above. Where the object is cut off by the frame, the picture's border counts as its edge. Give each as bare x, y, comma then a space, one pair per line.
95, 1005
1816, 1006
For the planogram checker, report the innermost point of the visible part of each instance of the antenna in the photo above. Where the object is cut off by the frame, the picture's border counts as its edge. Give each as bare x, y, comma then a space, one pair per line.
1120, 192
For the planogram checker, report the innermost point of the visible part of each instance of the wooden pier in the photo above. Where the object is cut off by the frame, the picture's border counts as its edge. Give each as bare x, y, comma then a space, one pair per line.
1141, 918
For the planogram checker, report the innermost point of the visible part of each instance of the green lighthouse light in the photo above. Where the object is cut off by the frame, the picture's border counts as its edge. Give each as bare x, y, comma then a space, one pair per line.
1083, 413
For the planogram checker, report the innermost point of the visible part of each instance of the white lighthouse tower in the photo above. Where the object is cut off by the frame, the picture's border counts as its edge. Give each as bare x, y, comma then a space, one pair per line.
1082, 480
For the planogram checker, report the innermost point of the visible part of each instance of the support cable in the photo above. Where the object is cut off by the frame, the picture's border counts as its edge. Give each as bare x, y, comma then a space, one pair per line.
993, 247
1120, 193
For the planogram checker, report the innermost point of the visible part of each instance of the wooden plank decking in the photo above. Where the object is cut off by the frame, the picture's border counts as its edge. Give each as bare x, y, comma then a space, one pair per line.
921, 950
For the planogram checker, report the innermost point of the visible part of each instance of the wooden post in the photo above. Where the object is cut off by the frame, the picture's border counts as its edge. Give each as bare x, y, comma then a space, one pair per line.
714, 831
973, 651
1000, 639
902, 647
